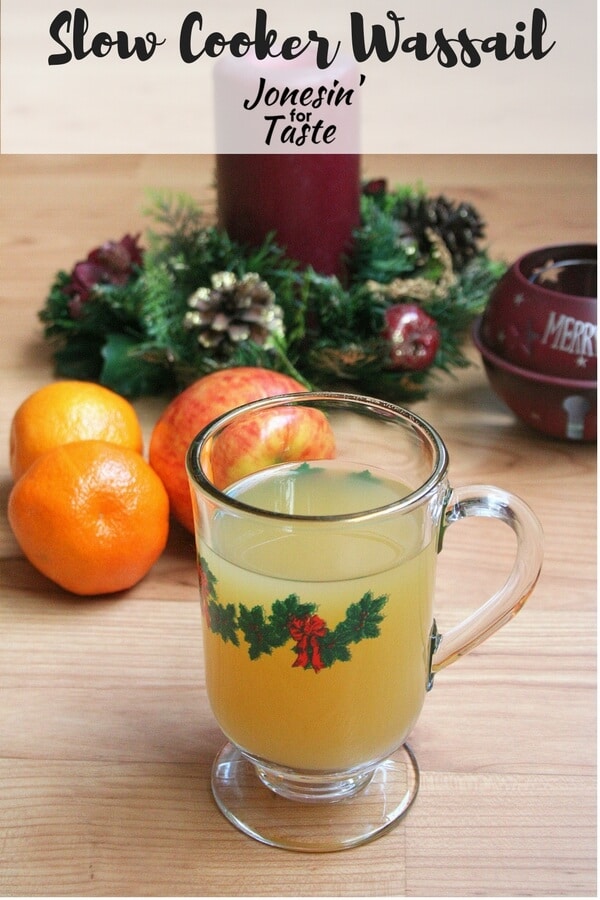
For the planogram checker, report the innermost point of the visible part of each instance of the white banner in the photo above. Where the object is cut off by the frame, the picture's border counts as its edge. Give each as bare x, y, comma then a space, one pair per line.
187, 76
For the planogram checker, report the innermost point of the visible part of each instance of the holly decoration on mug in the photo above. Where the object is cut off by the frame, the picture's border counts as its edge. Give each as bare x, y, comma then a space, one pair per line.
316, 645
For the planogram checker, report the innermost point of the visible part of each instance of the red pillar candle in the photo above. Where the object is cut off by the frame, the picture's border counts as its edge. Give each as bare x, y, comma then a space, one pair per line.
308, 194
311, 202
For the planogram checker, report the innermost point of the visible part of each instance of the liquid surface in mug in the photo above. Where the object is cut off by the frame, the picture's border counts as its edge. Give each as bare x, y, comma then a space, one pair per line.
316, 636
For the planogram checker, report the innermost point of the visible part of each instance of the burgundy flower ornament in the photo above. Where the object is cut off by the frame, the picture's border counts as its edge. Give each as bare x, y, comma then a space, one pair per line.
112, 263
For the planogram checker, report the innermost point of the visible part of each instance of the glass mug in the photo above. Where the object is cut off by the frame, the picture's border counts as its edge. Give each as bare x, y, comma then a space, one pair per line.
319, 518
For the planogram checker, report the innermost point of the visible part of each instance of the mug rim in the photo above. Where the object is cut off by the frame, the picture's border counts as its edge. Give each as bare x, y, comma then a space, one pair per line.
439, 469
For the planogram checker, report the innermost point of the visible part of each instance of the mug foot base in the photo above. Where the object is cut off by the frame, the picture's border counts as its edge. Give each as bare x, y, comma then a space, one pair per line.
314, 827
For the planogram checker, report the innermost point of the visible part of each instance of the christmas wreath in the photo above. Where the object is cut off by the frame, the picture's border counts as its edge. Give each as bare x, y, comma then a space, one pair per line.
148, 320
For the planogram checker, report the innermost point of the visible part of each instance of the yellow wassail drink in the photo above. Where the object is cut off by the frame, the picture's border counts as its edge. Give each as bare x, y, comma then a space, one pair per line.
317, 648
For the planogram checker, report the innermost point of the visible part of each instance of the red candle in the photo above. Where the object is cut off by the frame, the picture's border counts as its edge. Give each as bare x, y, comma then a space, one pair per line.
307, 193
311, 202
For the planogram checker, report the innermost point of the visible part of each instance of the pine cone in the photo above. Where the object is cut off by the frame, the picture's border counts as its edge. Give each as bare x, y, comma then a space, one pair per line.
233, 310
459, 226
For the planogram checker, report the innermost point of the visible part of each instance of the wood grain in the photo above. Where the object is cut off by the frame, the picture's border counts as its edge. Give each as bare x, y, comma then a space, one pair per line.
106, 737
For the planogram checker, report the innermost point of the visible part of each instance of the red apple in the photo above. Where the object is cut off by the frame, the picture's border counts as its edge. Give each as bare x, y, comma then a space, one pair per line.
194, 408
268, 437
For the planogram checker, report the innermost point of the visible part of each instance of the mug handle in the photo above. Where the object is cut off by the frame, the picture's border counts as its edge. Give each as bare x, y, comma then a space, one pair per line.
490, 502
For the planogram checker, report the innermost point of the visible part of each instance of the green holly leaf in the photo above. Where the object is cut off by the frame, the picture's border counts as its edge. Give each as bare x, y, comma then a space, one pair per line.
362, 619
253, 626
80, 357
364, 475
333, 649
223, 621
282, 612
210, 580
126, 371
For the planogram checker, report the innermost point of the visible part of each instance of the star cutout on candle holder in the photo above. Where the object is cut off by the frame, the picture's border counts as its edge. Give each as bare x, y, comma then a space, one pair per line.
548, 273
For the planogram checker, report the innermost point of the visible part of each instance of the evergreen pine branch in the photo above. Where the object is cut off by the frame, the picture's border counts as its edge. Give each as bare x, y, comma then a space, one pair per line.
381, 251
162, 305
55, 314
179, 216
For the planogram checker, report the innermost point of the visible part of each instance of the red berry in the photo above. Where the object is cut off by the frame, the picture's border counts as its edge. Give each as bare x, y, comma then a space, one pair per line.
413, 337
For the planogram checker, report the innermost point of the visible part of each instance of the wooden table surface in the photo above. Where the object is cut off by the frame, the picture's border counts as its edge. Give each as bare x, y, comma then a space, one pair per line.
106, 737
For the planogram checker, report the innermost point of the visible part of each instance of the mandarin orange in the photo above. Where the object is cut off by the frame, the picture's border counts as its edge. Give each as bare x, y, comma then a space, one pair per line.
66, 411
91, 516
